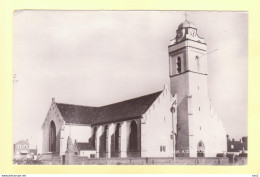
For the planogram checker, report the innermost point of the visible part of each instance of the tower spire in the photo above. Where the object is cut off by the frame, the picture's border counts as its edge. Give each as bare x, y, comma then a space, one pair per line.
186, 16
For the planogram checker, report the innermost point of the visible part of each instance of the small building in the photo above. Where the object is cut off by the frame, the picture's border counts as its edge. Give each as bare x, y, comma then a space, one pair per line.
21, 150
236, 147
85, 149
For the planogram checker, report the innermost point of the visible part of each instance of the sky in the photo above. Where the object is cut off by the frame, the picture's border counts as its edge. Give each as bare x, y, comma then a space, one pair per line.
96, 58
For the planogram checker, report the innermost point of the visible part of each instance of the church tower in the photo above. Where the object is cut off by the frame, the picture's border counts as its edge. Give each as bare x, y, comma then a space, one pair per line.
188, 78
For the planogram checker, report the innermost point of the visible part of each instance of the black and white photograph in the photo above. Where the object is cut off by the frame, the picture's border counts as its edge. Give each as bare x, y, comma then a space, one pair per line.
130, 87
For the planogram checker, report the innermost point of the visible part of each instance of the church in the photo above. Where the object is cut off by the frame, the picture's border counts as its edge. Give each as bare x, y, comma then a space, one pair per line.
176, 121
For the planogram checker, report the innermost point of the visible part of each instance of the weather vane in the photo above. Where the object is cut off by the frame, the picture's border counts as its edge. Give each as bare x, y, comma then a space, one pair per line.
186, 16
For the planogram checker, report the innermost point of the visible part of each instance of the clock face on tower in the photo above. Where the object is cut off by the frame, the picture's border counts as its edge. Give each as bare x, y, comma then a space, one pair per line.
179, 34
192, 32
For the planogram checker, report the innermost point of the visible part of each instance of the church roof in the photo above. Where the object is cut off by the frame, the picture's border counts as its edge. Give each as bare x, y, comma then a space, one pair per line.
125, 110
77, 114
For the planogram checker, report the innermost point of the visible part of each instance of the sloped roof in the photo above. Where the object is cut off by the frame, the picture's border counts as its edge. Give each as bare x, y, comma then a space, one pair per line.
22, 142
84, 146
77, 114
120, 111
125, 110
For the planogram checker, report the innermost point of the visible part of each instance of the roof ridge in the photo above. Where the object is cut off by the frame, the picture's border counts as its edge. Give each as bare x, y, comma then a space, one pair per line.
120, 110
77, 105
112, 103
132, 99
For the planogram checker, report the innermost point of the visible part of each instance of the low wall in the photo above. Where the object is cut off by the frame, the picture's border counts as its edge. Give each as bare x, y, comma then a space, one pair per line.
240, 161
78, 160
202, 161
50, 159
151, 161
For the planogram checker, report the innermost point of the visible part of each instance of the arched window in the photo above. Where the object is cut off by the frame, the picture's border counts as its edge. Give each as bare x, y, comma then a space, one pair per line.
52, 137
201, 149
118, 138
178, 65
94, 137
133, 137
106, 138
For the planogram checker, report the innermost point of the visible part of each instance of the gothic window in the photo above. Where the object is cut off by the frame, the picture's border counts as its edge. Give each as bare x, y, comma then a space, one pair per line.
200, 149
94, 137
178, 65
52, 137
133, 137
106, 138
118, 138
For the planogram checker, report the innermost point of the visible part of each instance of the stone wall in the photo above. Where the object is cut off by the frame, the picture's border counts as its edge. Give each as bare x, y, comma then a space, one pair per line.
77, 160
152, 161
51, 159
240, 161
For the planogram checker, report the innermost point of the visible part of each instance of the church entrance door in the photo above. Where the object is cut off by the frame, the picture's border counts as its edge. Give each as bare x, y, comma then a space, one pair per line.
200, 149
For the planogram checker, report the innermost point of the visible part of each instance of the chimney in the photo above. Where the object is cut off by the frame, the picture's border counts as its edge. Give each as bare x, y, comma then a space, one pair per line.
53, 100
227, 137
